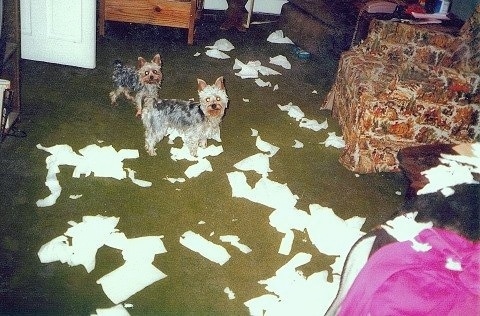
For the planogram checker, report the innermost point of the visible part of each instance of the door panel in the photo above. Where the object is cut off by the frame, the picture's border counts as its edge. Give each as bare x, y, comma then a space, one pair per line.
59, 31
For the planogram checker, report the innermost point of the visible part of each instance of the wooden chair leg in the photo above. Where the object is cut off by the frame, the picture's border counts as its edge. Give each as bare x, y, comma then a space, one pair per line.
101, 17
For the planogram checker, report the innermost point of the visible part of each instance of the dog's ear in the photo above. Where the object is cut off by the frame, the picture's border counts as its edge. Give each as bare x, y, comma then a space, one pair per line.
141, 62
219, 83
157, 60
201, 84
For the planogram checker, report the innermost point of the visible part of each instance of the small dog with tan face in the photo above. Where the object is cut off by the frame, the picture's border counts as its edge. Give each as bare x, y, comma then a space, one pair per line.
194, 121
138, 83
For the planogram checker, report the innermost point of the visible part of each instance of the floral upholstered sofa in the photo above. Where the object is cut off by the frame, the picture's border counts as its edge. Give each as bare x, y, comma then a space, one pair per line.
406, 85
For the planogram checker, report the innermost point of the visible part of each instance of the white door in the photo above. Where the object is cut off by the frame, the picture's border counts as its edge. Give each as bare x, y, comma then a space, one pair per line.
59, 31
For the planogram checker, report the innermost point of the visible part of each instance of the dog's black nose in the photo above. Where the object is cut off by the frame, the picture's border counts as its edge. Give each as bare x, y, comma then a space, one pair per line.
214, 106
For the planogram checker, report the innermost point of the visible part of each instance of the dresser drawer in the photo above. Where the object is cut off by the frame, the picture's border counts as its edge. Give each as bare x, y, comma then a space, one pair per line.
156, 12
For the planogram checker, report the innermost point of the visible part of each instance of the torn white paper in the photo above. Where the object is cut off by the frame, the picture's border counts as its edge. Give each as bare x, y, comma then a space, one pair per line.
260, 163
222, 44
266, 147
117, 310
141, 183
101, 161
201, 166
281, 60
235, 241
266, 191
262, 83
325, 226
292, 110
229, 292
129, 279
204, 247
173, 180
297, 144
215, 53
184, 154
313, 124
278, 38
334, 141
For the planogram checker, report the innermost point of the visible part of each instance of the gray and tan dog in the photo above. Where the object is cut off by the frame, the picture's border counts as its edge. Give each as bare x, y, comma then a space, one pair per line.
138, 83
194, 122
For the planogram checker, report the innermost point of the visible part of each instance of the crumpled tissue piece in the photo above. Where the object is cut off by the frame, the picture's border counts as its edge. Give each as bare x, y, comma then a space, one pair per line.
313, 124
101, 161
260, 163
266, 191
293, 292
252, 68
262, 83
201, 166
230, 293
450, 173
235, 241
86, 238
286, 219
204, 247
129, 279
222, 45
184, 153
334, 141
325, 226
281, 60
278, 37
405, 228
215, 53
266, 147
117, 310
297, 144
292, 110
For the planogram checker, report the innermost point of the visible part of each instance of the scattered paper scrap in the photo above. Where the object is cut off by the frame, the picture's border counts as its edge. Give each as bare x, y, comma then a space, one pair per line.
141, 183
262, 83
260, 163
405, 228
101, 161
293, 292
279, 38
266, 147
281, 60
334, 141
246, 100
75, 196
204, 247
292, 110
266, 191
174, 180
215, 53
235, 241
201, 166
223, 45
117, 310
325, 225
196, 54
313, 124
229, 292
275, 87
297, 144
184, 154
130, 278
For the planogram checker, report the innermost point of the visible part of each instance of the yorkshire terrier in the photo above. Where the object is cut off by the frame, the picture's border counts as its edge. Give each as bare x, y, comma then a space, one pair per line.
143, 81
194, 121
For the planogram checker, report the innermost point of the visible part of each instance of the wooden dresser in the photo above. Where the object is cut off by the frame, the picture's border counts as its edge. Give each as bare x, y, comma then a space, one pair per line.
172, 13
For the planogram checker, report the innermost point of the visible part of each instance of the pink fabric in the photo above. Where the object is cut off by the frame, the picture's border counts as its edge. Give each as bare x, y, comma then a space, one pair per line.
397, 280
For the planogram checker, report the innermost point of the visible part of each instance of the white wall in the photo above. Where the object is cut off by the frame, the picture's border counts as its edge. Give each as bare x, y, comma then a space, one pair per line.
260, 6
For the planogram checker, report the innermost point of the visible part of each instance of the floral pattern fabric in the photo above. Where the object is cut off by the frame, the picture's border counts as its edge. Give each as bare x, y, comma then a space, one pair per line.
406, 85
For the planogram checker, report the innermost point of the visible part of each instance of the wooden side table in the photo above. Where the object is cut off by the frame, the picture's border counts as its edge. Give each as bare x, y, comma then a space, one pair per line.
171, 13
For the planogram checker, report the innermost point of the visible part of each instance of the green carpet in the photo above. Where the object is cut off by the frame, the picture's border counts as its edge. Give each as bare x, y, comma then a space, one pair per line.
68, 105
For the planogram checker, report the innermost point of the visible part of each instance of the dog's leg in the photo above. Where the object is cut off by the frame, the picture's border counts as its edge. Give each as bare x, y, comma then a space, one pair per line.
138, 104
114, 95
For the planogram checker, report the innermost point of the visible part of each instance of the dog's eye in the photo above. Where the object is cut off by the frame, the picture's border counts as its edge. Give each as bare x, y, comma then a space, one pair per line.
154, 71
218, 98
207, 99
146, 73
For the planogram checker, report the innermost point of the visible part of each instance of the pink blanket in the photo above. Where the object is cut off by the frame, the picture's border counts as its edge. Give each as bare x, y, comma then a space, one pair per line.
397, 280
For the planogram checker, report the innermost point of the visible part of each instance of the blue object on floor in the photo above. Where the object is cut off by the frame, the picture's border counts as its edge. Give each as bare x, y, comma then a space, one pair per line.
300, 53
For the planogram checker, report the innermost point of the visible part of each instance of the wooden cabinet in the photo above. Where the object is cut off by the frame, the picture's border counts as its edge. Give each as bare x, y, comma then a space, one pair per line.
10, 66
172, 13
